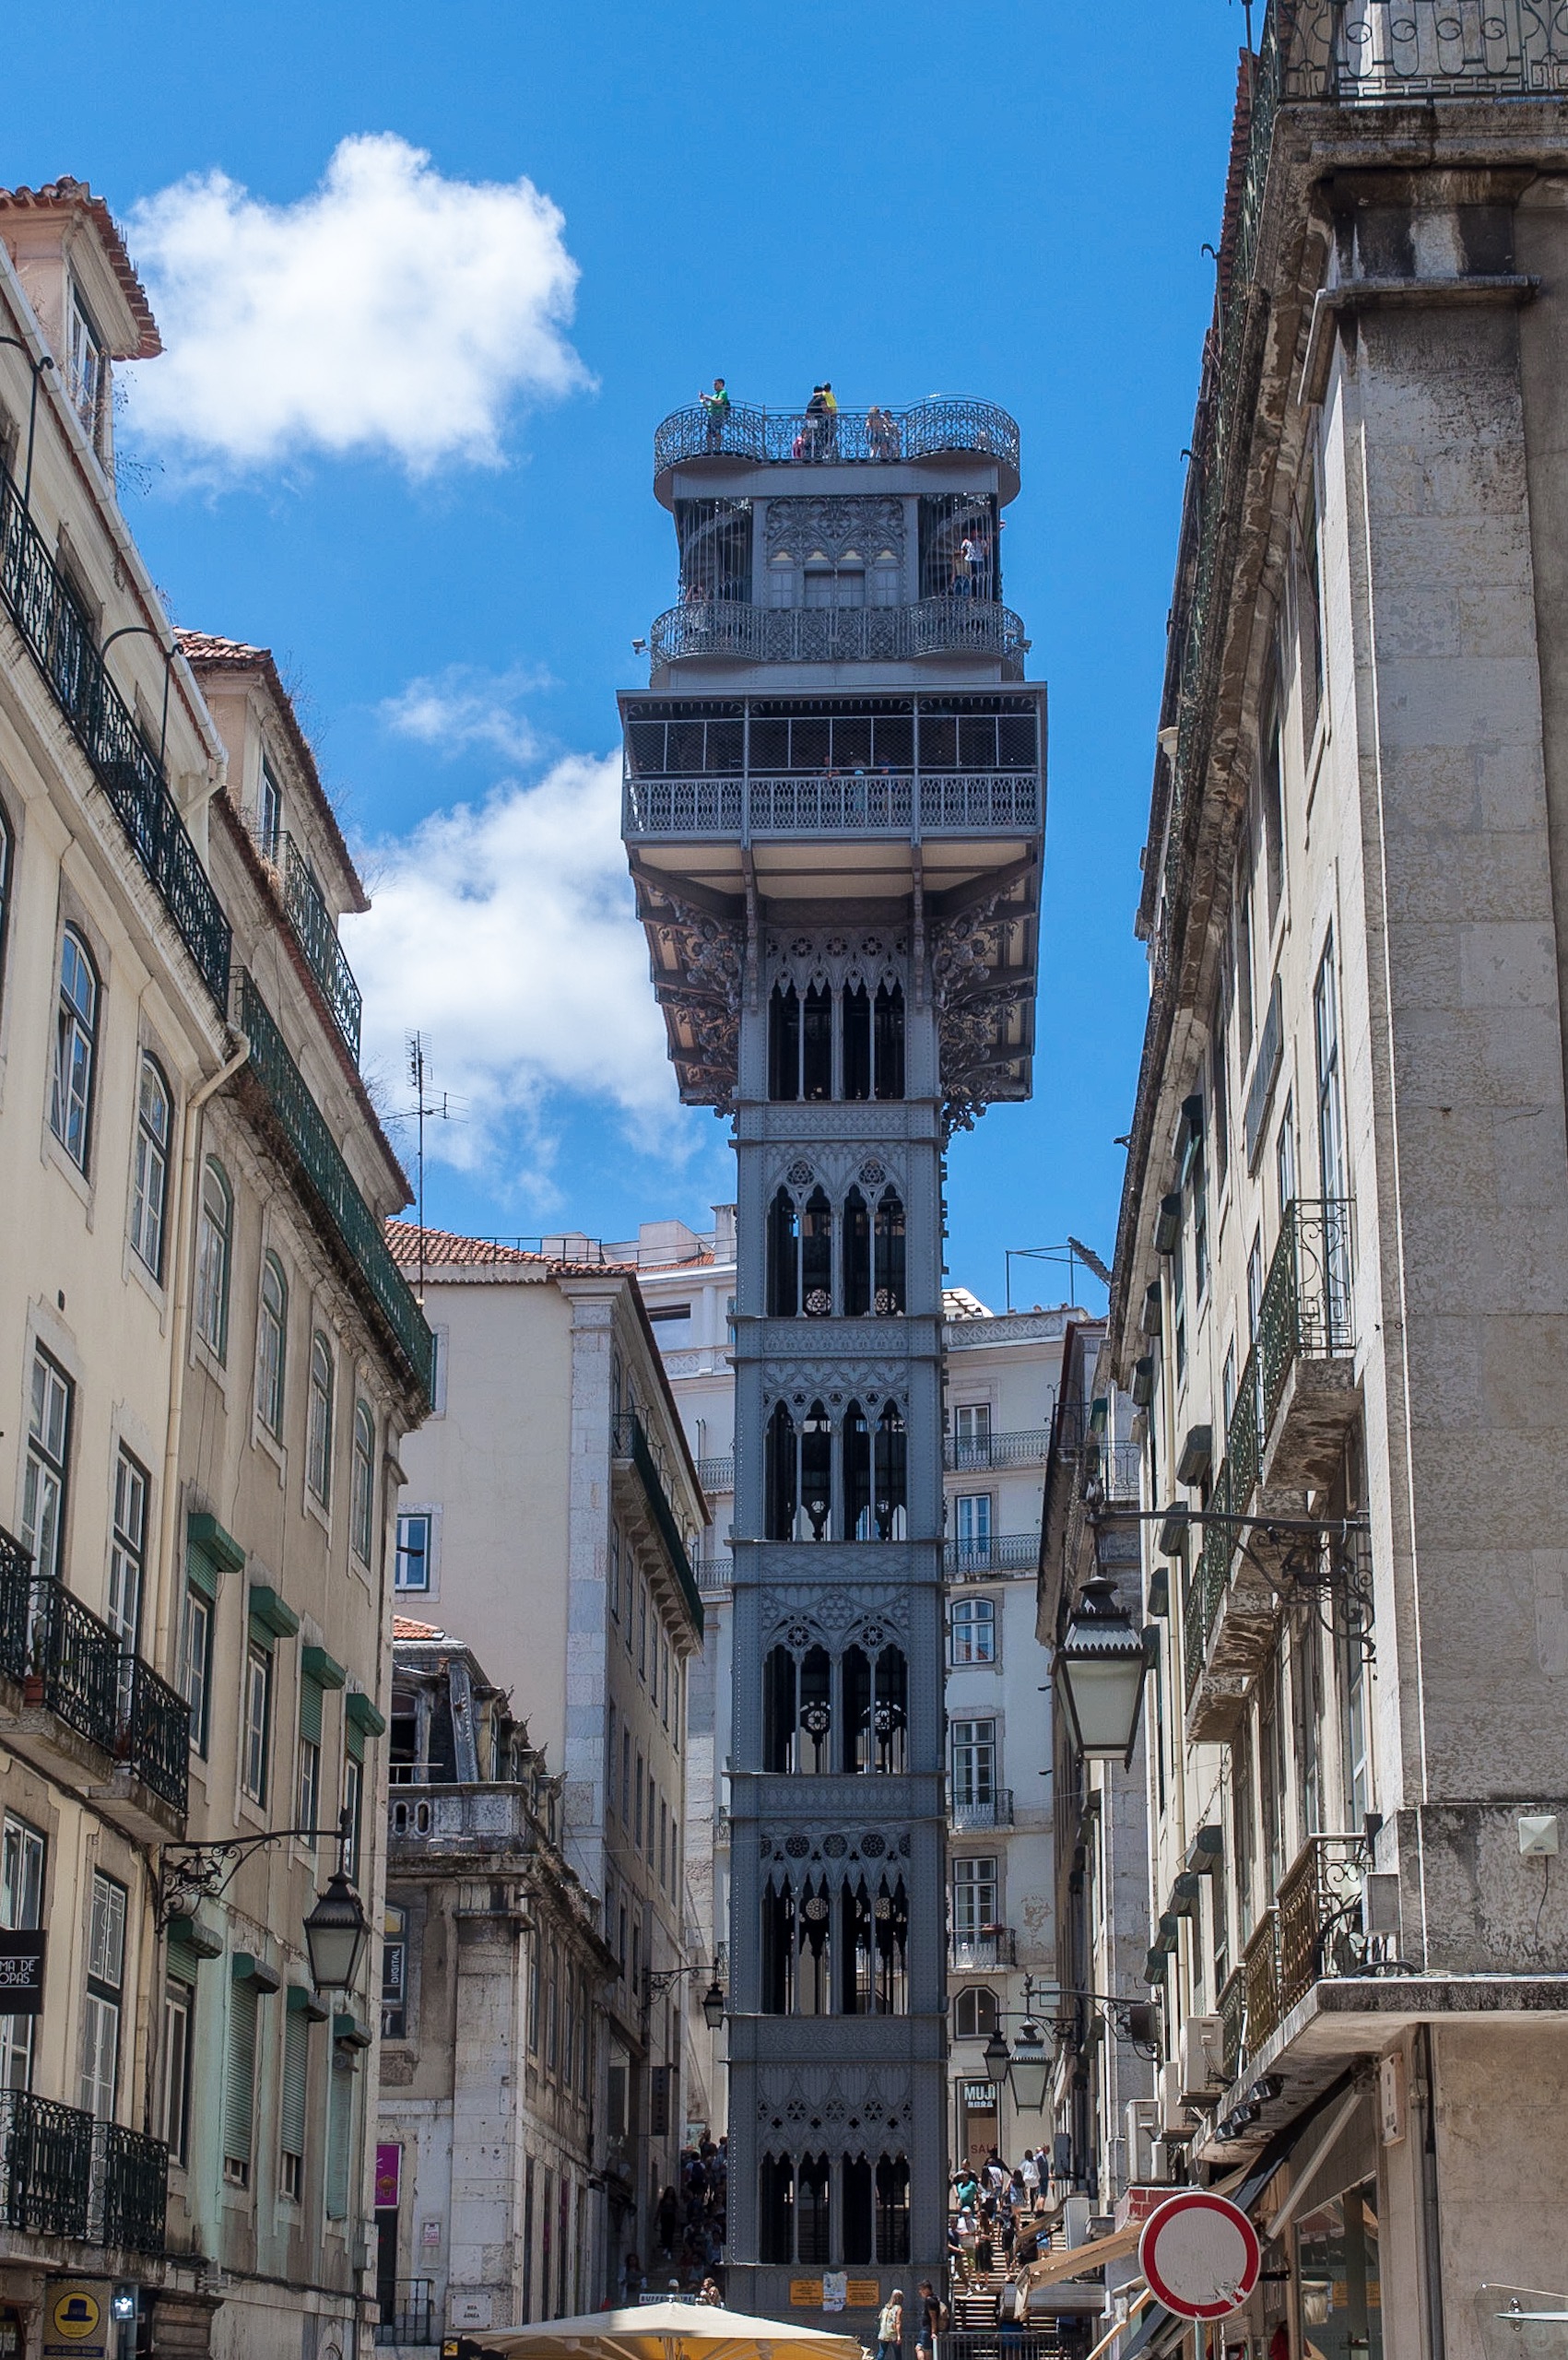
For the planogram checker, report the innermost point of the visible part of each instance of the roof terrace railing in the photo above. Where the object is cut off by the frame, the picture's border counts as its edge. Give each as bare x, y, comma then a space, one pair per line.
732, 628
60, 641
925, 431
863, 804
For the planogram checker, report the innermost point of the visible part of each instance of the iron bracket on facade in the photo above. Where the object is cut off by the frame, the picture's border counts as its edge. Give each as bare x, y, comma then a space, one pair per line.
189, 1873
1309, 1558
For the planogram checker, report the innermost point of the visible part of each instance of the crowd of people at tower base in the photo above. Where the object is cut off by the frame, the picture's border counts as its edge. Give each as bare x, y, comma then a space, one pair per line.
686, 2254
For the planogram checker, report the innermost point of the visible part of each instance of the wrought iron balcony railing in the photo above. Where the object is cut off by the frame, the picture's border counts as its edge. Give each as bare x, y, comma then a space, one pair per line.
306, 1130
981, 1954
730, 628
155, 1738
631, 1439
60, 641
1305, 1311
715, 1572
948, 803
1004, 1552
73, 1658
16, 1587
130, 2188
1260, 1971
46, 2166
717, 1475
317, 936
410, 2315
981, 1451
995, 1809
1232, 2022
925, 431
1320, 1915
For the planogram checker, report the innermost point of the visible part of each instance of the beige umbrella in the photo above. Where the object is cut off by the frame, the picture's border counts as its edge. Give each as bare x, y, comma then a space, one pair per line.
669, 2332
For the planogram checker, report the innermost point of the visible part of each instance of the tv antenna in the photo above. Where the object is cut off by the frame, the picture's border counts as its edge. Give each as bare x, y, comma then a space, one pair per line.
426, 1106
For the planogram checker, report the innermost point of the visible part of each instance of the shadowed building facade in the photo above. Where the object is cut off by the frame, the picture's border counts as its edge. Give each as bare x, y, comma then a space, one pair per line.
834, 808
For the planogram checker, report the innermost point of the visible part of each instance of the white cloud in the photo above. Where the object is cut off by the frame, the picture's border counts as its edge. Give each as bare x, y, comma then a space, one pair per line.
462, 708
505, 933
391, 311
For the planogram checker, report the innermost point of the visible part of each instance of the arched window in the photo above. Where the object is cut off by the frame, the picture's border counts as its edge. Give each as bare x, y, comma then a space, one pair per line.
816, 1474
783, 1043
272, 1345
890, 1474
816, 1043
150, 1182
75, 1039
215, 1247
855, 1020
888, 1032
780, 1475
817, 1257
973, 1631
783, 1257
7, 862
875, 1710
974, 2014
892, 2209
318, 1421
856, 1474
362, 1522
798, 1711
889, 1253
856, 1256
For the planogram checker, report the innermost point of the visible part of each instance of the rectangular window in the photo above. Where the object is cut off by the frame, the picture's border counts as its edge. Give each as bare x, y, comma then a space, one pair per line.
1199, 1228
663, 1842
100, 2011
127, 1552
650, 1849
974, 1761
195, 1662
1309, 612
340, 2140
239, 2085
269, 816
1179, 1306
1285, 1158
636, 1825
626, 1778
971, 1433
293, 2106
413, 1552
974, 1896
353, 1802
174, 2097
643, 1631
535, 1982
972, 1512
257, 1720
1331, 1159
552, 2014
615, 1571
1220, 1086
22, 1856
528, 2239
308, 1799
1272, 796
43, 1477
88, 363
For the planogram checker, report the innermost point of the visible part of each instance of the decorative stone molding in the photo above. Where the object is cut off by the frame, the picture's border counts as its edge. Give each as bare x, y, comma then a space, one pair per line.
830, 528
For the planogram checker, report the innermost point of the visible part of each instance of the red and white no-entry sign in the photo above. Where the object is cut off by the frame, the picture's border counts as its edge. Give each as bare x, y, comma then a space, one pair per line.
1201, 2255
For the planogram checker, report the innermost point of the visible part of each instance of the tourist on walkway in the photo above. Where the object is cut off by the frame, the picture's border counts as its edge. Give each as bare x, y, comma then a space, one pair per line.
717, 404
889, 2328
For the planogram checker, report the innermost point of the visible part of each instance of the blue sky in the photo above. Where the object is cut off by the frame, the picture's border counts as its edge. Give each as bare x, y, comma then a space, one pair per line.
432, 494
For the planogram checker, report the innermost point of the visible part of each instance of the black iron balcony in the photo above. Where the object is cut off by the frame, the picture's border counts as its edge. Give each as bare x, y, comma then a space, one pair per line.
632, 1440
155, 1742
1260, 1974
967, 1812
728, 628
1306, 1346
1320, 1915
1232, 2022
60, 641
408, 2313
16, 1587
73, 1663
130, 2188
1001, 1552
966, 1455
317, 936
966, 803
781, 437
349, 1219
46, 2166
717, 1475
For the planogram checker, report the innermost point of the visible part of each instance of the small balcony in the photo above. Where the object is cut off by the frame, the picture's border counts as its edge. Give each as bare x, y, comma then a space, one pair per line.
1260, 1981
65, 2174
999, 1554
631, 1439
995, 1809
981, 1452
408, 2313
311, 922
1305, 1350
983, 1953
934, 429
717, 1475
732, 630
715, 1572
459, 1819
1232, 2024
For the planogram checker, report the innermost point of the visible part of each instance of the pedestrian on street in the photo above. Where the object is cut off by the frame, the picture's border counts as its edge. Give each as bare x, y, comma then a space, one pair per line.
932, 2308
889, 2326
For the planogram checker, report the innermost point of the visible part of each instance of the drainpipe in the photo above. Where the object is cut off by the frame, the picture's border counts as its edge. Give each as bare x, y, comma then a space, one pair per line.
183, 1258
1425, 2095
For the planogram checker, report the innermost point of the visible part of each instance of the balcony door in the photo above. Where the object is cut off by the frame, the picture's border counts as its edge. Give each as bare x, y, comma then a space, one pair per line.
974, 1763
21, 1909
974, 1897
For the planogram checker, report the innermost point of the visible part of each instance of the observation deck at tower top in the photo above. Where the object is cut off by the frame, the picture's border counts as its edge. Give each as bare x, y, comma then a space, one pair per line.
949, 428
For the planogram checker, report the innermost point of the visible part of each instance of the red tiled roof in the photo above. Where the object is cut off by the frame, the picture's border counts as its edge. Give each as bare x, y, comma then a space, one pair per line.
74, 196
444, 1249
207, 651
405, 1627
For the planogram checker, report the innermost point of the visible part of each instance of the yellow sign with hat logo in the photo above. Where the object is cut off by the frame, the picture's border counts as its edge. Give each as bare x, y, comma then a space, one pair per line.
76, 2321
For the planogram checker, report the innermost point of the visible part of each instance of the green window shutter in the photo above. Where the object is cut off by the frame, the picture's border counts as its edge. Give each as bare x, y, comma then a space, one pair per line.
363, 1714
340, 2140
270, 1617
201, 1573
240, 2079
296, 2057
220, 1549
317, 1665
309, 1708
354, 1741
183, 1961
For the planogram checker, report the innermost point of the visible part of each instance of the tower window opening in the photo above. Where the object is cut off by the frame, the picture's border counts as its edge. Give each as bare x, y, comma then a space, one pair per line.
783, 1044
890, 1475
779, 1474
783, 1257
813, 2231
889, 1297
816, 1474
817, 1257
876, 1711
816, 1043
857, 1028
858, 2231
889, 1040
716, 548
892, 2209
856, 1474
856, 1260
775, 2209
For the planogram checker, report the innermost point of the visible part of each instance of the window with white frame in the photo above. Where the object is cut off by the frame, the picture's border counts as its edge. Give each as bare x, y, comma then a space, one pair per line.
23, 1852
215, 1247
103, 1999
974, 1896
75, 1043
972, 1631
150, 1182
974, 1763
44, 1473
174, 2092
127, 1550
257, 1720
269, 816
972, 1517
361, 1521
318, 1421
272, 1345
86, 367
196, 1661
975, 2013
414, 1530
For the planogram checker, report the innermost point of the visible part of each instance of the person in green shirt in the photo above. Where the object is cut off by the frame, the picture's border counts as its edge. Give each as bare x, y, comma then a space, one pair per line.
717, 404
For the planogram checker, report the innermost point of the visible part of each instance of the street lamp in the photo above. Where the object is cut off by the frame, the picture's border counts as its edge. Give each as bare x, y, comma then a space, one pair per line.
1101, 1664
1030, 2068
336, 1933
714, 2005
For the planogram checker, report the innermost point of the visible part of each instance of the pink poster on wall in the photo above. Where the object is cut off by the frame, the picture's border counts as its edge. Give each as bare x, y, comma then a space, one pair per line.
389, 2168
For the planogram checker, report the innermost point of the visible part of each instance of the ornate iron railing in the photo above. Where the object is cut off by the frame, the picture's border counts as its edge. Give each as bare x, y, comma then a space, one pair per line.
16, 1588
60, 641
46, 2159
925, 431
410, 2315
1243, 1439
994, 1810
306, 1130
130, 2188
1003, 1552
74, 1656
317, 938
1023, 1449
1378, 53
962, 802
715, 1573
1305, 1311
717, 1474
1195, 1636
981, 1954
632, 1440
1320, 1914
1232, 2022
157, 1741
1260, 1969
1205, 1585
729, 627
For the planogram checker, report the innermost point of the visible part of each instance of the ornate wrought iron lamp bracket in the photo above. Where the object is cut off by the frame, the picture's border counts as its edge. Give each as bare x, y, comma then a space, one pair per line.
189, 1873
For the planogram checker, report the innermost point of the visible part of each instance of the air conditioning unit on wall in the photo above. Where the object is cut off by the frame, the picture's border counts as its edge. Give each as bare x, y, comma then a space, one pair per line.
1174, 2122
1199, 2047
1142, 2117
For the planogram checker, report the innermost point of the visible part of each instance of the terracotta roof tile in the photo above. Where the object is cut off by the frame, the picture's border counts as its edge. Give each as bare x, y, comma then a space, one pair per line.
76, 196
445, 1250
405, 1627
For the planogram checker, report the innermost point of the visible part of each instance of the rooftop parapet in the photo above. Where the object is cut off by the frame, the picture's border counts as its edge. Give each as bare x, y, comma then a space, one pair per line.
944, 428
